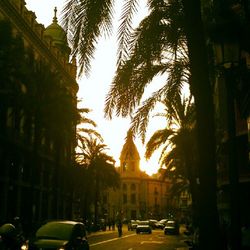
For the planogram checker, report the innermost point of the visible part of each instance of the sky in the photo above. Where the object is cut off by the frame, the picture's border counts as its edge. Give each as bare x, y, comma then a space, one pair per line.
94, 88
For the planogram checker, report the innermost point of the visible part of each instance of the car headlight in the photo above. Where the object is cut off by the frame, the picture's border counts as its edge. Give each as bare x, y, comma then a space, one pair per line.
61, 248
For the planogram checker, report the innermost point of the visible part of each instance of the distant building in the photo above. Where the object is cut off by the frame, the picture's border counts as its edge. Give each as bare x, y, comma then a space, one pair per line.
140, 195
38, 113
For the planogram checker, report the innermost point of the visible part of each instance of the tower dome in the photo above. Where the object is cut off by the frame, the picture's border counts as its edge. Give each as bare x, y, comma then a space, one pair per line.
58, 35
129, 158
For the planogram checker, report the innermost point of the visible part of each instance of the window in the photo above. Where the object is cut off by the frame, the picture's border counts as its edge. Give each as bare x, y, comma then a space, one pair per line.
133, 187
133, 214
124, 166
125, 200
124, 186
133, 198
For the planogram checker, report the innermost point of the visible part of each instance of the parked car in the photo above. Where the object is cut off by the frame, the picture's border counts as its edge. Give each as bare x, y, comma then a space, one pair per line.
161, 224
143, 227
132, 225
171, 227
60, 235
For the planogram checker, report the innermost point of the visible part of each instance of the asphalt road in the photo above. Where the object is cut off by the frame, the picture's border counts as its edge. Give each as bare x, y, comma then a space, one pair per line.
109, 240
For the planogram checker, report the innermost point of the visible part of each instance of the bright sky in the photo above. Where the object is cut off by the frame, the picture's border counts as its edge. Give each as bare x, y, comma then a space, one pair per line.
93, 89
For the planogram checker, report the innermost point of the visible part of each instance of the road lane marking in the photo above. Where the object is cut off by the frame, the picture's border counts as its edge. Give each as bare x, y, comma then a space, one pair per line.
106, 241
152, 242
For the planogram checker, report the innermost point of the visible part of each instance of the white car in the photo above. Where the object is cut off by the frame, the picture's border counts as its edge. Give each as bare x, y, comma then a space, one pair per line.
143, 227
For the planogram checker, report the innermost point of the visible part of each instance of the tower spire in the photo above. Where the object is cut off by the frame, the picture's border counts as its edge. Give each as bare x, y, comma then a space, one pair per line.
55, 17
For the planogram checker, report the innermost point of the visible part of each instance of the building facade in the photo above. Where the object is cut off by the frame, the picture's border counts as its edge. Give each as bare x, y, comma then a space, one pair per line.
140, 196
230, 38
38, 116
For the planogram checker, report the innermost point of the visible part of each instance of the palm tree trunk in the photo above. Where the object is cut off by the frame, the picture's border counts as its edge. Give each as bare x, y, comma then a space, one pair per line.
97, 182
202, 91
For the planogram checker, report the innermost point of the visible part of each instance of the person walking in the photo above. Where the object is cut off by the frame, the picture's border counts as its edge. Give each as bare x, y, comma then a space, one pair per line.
119, 226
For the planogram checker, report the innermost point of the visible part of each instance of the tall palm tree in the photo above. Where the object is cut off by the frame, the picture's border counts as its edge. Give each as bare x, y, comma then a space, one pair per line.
100, 173
88, 19
202, 91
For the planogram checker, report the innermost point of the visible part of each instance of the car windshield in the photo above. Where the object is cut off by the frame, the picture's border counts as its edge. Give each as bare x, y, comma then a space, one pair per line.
55, 230
170, 223
143, 223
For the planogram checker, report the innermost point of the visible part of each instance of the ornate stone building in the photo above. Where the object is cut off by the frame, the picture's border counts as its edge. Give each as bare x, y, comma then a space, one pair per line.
38, 116
140, 195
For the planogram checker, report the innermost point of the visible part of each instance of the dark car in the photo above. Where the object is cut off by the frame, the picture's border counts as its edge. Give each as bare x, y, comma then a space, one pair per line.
60, 235
143, 227
171, 227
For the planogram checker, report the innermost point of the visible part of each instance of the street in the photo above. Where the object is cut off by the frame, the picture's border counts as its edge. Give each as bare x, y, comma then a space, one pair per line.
132, 241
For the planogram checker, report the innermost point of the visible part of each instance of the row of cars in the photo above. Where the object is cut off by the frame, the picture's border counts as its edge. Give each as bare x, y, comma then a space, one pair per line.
169, 226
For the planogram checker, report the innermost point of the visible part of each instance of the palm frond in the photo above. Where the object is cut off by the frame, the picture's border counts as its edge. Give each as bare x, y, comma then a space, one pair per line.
88, 131
125, 29
128, 88
146, 44
84, 22
141, 118
85, 120
159, 138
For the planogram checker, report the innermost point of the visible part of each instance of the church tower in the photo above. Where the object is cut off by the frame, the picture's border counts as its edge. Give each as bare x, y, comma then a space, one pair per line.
140, 196
129, 158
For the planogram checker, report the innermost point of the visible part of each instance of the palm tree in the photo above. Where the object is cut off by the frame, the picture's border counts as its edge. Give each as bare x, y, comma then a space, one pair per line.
88, 19
179, 151
100, 173
202, 91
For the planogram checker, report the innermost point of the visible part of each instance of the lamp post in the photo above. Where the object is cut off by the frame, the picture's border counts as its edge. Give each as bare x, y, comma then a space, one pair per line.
228, 56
